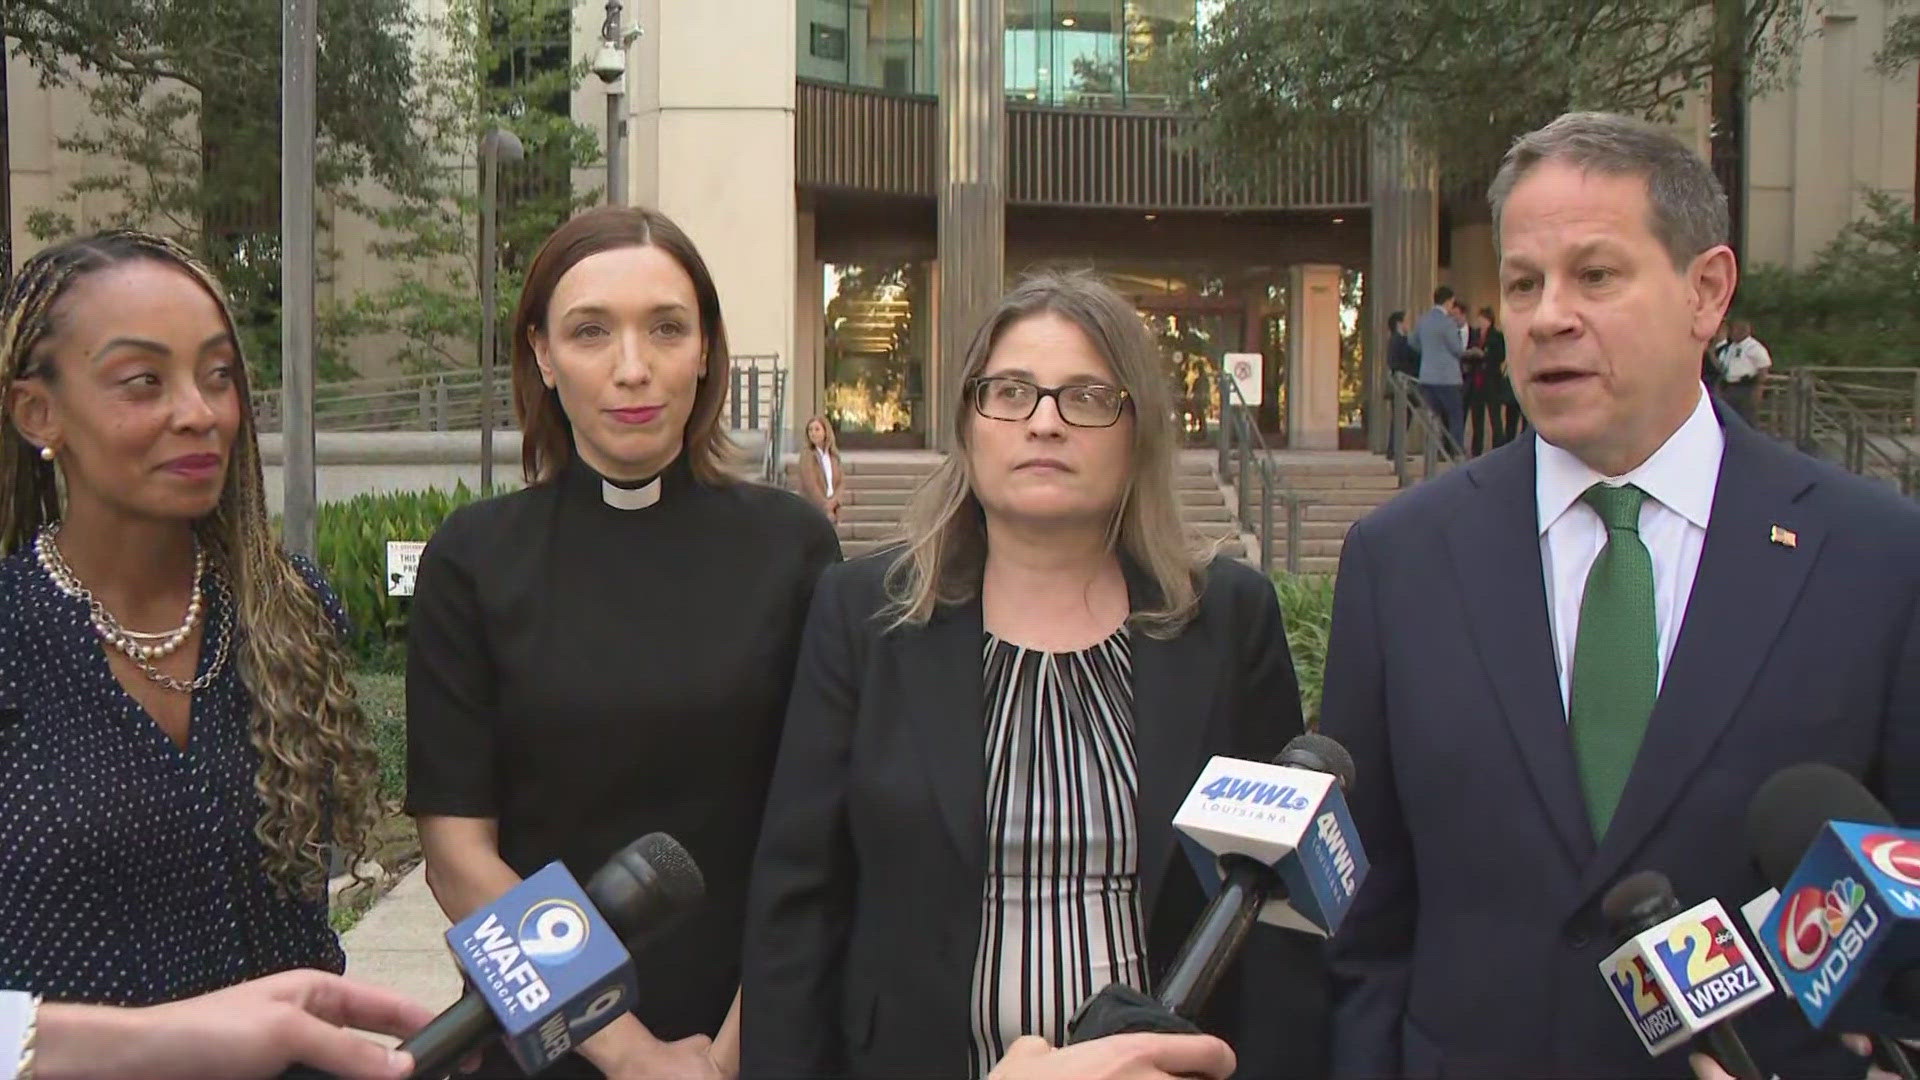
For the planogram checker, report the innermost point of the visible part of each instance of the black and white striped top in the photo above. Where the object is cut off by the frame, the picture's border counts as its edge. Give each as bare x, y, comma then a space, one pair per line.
1060, 915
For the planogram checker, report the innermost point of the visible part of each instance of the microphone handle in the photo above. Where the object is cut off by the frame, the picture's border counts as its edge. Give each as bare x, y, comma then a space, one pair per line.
451, 1036
1216, 939
1888, 1054
1724, 1044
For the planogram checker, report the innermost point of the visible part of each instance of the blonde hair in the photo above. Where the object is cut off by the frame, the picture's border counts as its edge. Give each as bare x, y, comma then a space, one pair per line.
832, 446
944, 529
318, 773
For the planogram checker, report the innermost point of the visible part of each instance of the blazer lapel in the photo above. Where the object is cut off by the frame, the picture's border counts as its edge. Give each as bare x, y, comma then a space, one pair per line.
1744, 590
1495, 542
943, 660
1173, 690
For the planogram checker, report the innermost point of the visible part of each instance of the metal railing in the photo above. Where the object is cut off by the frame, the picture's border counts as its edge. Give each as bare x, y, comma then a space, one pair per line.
1828, 420
1403, 398
1244, 454
775, 428
451, 400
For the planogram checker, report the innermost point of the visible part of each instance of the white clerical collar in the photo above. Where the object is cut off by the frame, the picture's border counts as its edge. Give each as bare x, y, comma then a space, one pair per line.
621, 498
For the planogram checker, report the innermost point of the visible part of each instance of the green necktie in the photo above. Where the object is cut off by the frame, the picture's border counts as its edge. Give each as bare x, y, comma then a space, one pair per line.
1616, 657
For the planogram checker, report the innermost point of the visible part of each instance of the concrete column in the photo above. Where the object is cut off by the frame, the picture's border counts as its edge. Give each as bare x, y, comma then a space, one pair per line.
972, 247
716, 153
1404, 263
806, 375
1313, 357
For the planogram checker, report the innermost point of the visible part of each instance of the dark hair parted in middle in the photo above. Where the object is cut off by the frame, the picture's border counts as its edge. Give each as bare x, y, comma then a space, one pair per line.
546, 433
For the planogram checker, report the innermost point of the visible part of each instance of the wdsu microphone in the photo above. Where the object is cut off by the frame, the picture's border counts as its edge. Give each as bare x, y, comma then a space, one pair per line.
545, 964
1845, 934
1679, 975
1273, 843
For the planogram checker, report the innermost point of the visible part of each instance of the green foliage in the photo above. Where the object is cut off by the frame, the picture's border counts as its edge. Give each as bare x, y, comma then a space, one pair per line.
517, 77
1464, 77
353, 539
1902, 45
383, 696
1857, 304
1306, 602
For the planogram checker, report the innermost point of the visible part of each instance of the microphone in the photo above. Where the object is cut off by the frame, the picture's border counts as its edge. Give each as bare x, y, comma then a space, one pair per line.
1680, 975
1844, 935
545, 965
1273, 843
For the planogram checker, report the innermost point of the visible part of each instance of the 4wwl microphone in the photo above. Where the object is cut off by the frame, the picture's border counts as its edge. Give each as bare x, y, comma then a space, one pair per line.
1845, 933
1273, 843
547, 964
1680, 975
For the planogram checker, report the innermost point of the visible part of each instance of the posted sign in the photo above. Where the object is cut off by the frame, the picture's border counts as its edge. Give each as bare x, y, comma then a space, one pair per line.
403, 559
1244, 367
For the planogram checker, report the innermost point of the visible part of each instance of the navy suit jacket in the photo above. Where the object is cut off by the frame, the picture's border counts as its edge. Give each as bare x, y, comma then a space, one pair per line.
1473, 947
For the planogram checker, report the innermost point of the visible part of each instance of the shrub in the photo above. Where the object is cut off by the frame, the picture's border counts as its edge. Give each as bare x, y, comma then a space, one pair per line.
353, 539
1306, 601
384, 698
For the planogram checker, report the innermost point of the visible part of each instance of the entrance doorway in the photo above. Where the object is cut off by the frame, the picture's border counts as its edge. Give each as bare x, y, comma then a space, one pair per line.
1194, 337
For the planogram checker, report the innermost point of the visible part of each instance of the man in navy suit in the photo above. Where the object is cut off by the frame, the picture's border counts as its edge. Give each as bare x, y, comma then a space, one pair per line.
1580, 655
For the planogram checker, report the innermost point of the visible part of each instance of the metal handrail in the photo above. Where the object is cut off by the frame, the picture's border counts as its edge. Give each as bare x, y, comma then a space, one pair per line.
1405, 400
1240, 435
770, 462
1818, 418
451, 400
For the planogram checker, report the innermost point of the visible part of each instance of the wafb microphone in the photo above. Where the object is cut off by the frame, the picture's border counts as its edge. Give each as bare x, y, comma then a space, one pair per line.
1272, 843
1680, 975
1845, 934
545, 964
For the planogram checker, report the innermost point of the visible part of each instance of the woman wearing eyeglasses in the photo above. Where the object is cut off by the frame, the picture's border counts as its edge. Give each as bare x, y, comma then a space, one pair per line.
992, 724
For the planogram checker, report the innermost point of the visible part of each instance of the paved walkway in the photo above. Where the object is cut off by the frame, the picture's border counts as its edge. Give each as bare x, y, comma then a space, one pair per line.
401, 944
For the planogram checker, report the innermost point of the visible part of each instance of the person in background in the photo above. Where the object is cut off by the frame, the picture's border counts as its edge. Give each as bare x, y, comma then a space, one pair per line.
821, 477
179, 740
253, 1031
1441, 342
606, 653
993, 723
1744, 363
1507, 419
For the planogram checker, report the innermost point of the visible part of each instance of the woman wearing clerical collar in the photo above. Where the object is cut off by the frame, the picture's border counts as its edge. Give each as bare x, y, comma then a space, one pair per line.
606, 652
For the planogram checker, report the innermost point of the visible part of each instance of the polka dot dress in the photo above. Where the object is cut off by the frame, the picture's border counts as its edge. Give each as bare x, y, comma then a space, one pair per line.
129, 869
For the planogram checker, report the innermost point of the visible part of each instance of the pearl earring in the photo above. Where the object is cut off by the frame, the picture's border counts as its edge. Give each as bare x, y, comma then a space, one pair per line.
46, 453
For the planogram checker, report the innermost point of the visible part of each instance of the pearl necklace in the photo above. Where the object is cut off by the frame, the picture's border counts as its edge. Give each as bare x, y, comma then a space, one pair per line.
141, 648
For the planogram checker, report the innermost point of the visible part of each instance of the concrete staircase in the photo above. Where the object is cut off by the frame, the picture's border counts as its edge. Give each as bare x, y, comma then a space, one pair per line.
878, 483
1336, 488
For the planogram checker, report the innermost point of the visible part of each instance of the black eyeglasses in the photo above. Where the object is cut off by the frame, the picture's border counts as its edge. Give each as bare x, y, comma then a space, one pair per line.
1090, 405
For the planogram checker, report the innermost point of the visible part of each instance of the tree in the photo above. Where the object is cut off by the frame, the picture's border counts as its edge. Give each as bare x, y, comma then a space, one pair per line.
1465, 77
184, 95
1902, 46
517, 74
1858, 303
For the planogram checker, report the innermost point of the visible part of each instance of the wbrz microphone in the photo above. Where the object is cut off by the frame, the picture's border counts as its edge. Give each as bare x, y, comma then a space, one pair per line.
1680, 975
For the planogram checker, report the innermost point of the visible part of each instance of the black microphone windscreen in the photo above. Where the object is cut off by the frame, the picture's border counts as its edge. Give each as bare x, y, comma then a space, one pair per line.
1638, 901
1321, 753
1790, 809
646, 887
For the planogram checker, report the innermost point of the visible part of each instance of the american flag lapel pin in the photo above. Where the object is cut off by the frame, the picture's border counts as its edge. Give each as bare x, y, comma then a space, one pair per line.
1783, 537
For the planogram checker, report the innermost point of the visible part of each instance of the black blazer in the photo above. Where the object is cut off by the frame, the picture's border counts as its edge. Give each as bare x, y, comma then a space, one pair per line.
1473, 947
865, 908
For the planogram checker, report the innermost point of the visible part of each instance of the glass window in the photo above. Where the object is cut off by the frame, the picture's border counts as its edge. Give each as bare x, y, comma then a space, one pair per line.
824, 45
1024, 54
1153, 74
875, 347
885, 44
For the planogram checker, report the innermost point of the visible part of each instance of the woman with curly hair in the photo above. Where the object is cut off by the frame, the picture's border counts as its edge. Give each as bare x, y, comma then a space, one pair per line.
179, 742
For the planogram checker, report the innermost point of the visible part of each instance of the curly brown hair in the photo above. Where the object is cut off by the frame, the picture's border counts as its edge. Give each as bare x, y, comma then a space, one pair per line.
318, 776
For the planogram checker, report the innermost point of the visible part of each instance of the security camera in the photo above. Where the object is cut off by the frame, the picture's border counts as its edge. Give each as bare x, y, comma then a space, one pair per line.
610, 63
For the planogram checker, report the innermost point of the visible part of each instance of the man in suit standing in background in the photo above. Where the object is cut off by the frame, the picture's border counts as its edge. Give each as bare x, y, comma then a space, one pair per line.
1580, 655
1438, 339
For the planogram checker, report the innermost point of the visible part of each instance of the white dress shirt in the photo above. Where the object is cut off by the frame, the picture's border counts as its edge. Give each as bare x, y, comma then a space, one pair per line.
1679, 480
1744, 359
826, 468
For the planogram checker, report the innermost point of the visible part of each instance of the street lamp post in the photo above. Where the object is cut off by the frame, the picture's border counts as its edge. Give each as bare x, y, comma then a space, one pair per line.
611, 65
495, 145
